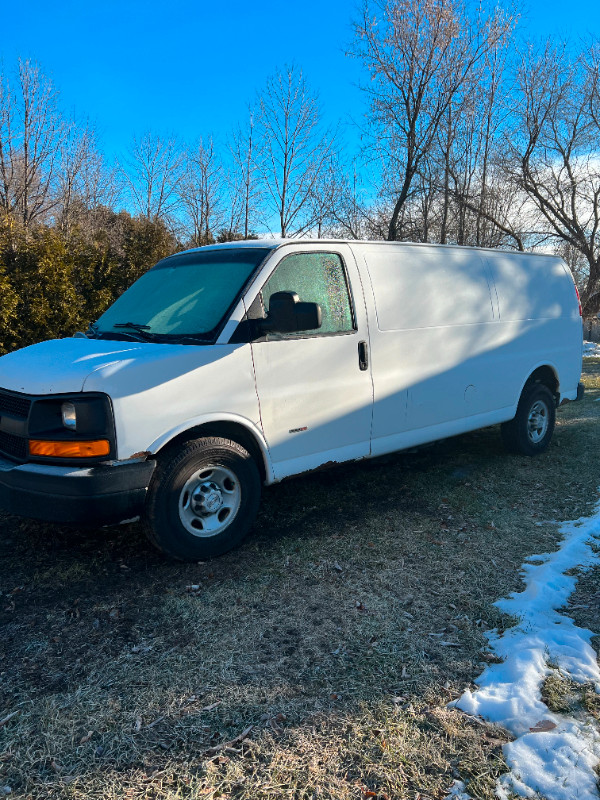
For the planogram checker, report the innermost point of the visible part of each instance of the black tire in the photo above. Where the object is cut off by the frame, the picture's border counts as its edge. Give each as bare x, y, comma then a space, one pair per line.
183, 518
530, 432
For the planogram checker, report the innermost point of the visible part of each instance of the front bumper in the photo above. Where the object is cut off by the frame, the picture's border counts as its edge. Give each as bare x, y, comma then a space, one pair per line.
96, 495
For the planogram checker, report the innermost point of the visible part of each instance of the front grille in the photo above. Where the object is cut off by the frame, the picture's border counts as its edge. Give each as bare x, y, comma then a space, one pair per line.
13, 446
14, 404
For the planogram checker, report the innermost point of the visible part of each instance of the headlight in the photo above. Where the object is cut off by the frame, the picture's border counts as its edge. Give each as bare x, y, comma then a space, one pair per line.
77, 426
69, 416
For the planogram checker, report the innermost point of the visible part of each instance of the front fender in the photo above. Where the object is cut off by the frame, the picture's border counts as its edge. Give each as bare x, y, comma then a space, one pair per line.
205, 419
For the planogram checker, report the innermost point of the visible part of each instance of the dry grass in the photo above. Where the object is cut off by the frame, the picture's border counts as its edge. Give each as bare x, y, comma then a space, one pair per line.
564, 696
337, 634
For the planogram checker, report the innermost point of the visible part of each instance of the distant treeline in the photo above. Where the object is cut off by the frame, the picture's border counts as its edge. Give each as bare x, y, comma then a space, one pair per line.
472, 136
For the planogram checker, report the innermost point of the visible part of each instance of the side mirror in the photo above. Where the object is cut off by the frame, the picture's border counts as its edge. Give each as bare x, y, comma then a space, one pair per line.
288, 315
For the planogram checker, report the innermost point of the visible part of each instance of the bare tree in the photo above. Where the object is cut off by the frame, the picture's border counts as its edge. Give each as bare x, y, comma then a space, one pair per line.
555, 152
152, 172
478, 201
31, 134
9, 188
245, 179
292, 148
84, 181
202, 192
337, 206
419, 54
325, 202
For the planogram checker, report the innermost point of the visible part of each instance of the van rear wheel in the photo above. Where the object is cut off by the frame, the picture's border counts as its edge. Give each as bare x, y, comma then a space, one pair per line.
202, 500
531, 429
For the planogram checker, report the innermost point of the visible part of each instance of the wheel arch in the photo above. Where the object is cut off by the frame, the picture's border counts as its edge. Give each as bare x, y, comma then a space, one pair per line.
547, 375
235, 428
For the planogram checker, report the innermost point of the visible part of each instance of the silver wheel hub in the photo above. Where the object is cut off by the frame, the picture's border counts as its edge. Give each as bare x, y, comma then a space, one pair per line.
206, 499
537, 422
209, 501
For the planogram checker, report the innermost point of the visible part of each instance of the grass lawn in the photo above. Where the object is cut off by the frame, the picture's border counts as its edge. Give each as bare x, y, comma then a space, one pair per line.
314, 662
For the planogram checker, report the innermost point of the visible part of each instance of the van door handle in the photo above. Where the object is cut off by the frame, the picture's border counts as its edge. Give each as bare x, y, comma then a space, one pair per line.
363, 356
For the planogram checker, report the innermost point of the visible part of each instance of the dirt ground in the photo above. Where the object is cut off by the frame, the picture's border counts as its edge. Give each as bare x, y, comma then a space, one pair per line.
314, 662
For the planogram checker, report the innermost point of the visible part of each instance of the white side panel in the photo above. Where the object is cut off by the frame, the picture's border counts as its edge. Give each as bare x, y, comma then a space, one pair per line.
521, 346
458, 333
444, 372
530, 286
435, 327
418, 436
540, 321
428, 288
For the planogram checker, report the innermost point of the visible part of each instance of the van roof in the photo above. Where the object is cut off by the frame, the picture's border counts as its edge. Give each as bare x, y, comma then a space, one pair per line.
273, 244
263, 243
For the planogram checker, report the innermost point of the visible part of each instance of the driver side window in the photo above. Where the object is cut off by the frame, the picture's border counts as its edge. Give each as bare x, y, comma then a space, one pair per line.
316, 278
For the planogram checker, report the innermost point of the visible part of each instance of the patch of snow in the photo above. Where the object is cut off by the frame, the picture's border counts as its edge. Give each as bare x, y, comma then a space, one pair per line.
553, 755
457, 792
591, 350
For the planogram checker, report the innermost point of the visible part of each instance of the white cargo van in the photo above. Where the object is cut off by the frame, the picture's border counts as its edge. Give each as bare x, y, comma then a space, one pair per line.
234, 365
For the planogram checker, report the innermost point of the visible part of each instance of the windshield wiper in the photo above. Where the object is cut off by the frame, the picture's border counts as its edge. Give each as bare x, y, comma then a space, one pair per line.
134, 325
143, 331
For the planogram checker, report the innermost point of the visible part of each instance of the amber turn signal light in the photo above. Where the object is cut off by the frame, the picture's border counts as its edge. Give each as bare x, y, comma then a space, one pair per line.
98, 447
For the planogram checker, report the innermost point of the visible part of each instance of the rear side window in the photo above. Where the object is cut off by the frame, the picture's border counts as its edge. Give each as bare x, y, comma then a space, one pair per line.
315, 278
421, 288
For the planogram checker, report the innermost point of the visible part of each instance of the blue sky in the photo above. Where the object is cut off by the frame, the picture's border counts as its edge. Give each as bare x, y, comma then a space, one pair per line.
191, 68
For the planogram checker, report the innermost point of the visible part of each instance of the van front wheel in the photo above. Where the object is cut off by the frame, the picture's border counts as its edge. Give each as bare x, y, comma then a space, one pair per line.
530, 431
202, 500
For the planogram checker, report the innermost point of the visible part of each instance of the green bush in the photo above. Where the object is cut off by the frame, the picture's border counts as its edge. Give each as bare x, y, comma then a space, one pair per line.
52, 285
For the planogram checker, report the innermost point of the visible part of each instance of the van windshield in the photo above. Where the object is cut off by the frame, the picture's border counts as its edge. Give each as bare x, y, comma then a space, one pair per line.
187, 294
